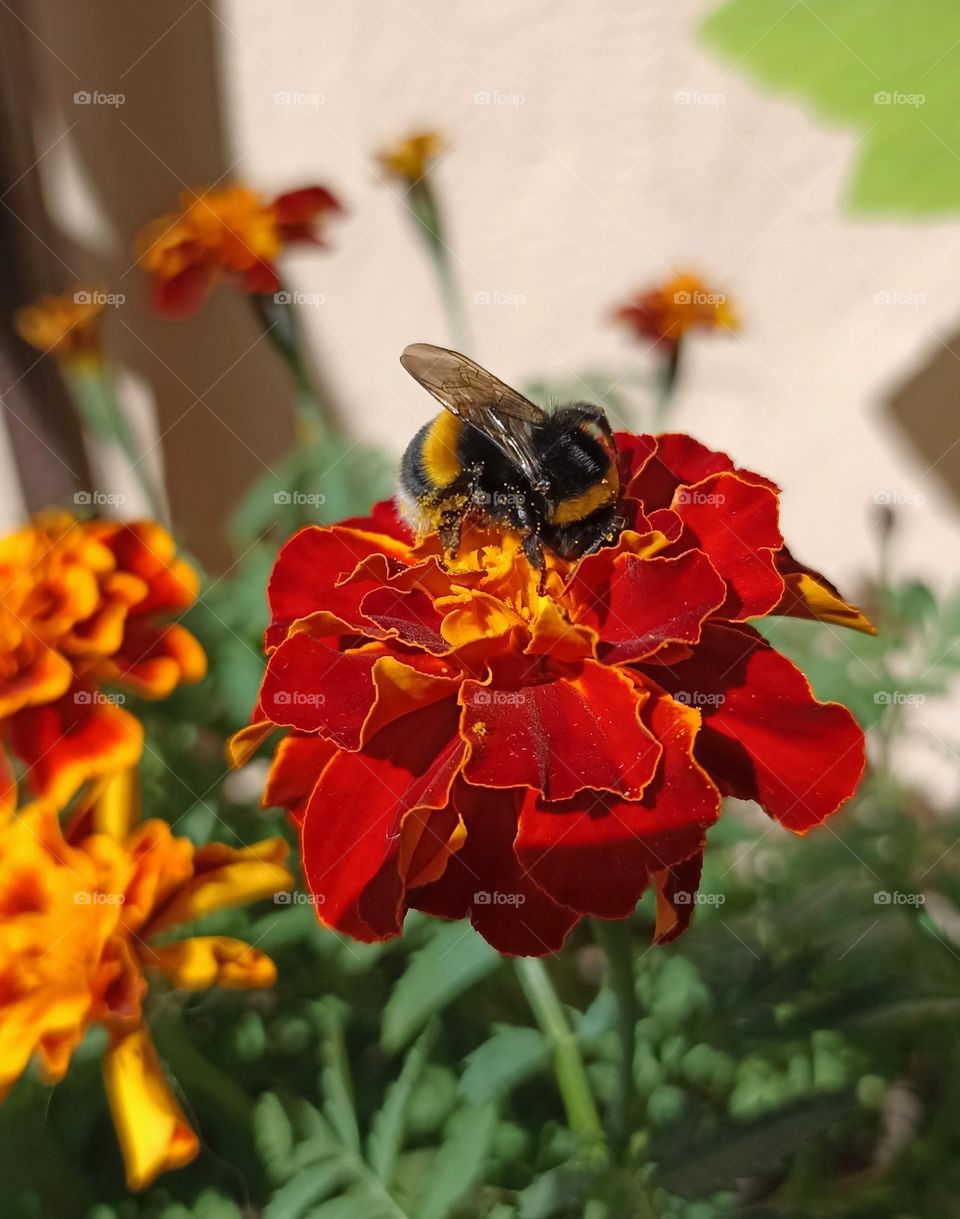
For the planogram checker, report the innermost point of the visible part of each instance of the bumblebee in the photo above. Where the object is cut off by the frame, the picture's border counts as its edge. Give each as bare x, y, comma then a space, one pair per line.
493, 456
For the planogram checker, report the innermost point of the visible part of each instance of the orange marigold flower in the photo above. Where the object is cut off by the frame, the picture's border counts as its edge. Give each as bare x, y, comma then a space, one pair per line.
664, 315
410, 159
78, 912
227, 232
84, 603
67, 327
462, 740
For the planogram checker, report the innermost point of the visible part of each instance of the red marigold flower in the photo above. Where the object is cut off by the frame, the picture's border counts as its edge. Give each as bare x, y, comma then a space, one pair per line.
85, 603
459, 742
664, 315
227, 232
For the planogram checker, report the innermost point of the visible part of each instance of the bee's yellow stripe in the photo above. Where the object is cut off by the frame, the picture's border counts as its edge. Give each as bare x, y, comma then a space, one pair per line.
441, 464
579, 507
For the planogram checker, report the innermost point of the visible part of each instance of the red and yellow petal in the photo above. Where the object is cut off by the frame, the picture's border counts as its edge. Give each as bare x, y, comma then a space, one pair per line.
561, 736
211, 960
808, 594
764, 736
595, 853
352, 828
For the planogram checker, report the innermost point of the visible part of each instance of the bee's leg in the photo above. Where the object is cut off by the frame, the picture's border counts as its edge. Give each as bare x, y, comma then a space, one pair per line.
449, 530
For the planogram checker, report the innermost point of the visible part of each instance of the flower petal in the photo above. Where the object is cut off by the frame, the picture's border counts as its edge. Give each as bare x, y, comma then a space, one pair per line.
351, 830
567, 847
764, 736
211, 960
808, 594
73, 741
294, 772
153, 1132
560, 737
736, 524
225, 876
676, 897
646, 602
485, 880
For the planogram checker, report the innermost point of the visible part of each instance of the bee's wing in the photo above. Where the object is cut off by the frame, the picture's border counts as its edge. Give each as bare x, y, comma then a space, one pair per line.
479, 398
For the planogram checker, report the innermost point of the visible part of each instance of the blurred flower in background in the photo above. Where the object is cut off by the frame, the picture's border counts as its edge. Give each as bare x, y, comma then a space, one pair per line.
85, 604
465, 741
77, 912
227, 232
410, 158
67, 327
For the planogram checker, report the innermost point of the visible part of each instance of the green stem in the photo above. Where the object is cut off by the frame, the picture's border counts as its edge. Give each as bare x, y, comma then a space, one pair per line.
315, 411
425, 210
615, 940
568, 1065
92, 390
668, 385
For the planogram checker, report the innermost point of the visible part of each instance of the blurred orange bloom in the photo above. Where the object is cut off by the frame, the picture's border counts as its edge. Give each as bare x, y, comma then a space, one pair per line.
664, 315
227, 232
410, 159
77, 912
84, 603
67, 327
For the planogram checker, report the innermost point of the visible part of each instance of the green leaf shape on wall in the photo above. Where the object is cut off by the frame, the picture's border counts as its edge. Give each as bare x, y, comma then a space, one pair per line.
888, 68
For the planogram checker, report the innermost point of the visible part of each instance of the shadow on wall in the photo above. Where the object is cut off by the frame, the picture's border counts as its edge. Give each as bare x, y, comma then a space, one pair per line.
925, 411
211, 375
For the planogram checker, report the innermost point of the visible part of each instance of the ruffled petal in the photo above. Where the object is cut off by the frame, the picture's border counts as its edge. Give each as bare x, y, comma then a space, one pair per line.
736, 524
485, 880
212, 960
560, 737
351, 830
567, 846
764, 736
676, 889
153, 1132
808, 594
294, 772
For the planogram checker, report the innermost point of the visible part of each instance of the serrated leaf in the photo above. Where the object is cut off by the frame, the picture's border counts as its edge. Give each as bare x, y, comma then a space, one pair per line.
273, 1135
459, 1162
307, 1187
508, 1058
336, 1085
389, 1124
453, 960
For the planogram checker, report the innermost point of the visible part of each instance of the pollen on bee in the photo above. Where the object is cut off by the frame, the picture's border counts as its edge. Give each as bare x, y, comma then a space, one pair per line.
479, 728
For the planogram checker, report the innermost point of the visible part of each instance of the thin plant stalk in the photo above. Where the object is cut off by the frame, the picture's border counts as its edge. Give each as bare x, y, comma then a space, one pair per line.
614, 938
94, 395
568, 1065
425, 210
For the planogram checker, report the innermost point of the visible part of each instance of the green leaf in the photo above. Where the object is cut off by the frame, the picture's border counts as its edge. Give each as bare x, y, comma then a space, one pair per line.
307, 1187
389, 1124
363, 1205
508, 1058
885, 68
273, 1135
335, 1083
459, 1162
693, 1167
454, 959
